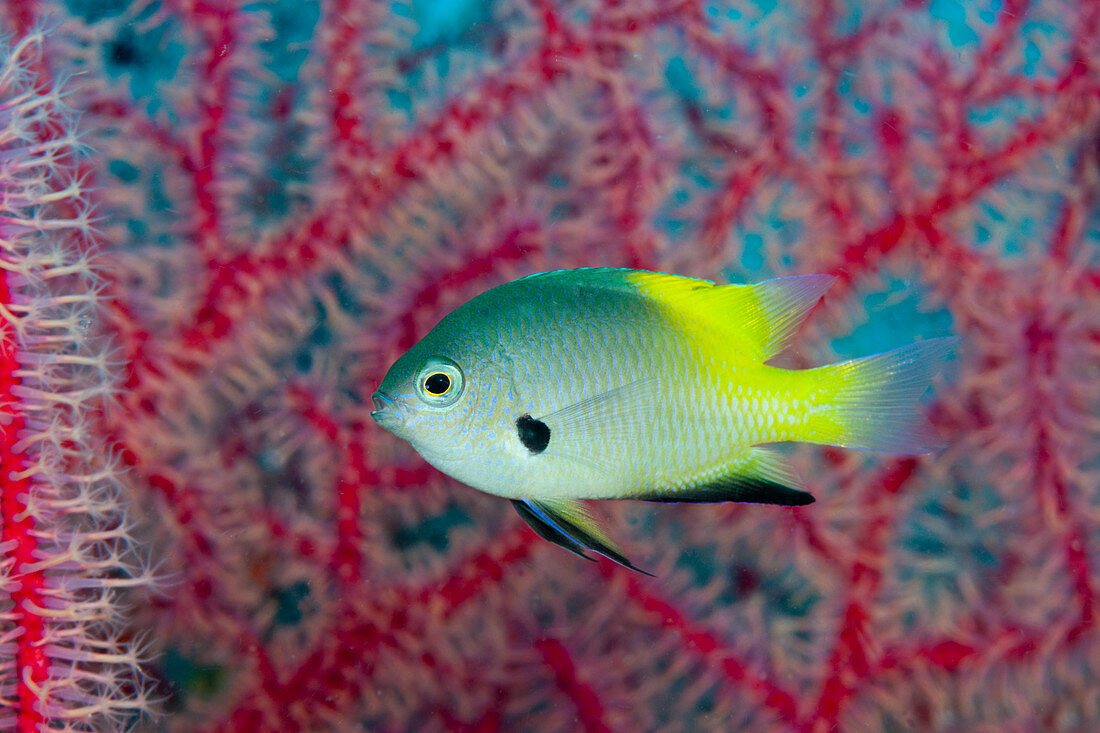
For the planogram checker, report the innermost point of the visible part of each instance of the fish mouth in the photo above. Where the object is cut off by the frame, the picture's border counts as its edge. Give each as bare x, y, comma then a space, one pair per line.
383, 407
380, 400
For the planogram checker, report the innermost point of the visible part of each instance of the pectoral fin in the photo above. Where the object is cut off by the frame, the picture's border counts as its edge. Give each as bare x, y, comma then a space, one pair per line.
627, 409
567, 523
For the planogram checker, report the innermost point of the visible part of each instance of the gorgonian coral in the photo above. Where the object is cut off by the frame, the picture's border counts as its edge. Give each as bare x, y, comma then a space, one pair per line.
293, 193
66, 548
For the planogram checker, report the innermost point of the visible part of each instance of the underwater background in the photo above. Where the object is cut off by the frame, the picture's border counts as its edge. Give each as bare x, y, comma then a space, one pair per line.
277, 199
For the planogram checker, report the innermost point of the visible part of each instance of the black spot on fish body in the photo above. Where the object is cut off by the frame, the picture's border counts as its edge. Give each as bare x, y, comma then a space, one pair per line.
534, 434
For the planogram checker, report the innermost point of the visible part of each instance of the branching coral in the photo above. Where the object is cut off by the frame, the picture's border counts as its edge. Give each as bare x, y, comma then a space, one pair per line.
66, 542
294, 193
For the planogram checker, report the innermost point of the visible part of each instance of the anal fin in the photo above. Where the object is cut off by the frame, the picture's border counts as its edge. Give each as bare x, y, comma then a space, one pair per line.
567, 523
760, 476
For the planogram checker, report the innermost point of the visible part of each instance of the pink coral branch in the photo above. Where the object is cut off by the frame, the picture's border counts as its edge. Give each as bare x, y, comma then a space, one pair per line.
336, 580
698, 640
590, 712
18, 542
66, 551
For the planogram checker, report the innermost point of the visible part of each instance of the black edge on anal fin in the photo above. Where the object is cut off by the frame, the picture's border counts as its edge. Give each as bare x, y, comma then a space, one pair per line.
560, 529
734, 488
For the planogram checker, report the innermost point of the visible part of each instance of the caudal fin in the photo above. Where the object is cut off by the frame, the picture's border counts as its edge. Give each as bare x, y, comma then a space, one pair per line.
876, 404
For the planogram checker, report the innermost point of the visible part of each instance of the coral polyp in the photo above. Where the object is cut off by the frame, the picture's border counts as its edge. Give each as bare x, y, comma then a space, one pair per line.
65, 541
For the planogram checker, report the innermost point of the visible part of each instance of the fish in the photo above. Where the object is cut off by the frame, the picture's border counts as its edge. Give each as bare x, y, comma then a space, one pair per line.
609, 383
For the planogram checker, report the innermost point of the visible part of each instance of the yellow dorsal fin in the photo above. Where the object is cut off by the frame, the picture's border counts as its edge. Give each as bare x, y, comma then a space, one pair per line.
757, 320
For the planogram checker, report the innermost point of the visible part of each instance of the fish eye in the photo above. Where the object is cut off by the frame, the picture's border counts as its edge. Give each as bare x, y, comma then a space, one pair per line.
439, 383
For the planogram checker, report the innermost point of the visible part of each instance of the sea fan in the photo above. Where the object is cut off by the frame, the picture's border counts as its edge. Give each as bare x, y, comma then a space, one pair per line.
66, 661
292, 194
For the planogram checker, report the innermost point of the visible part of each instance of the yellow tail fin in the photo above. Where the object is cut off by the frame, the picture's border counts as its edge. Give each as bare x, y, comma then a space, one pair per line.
874, 403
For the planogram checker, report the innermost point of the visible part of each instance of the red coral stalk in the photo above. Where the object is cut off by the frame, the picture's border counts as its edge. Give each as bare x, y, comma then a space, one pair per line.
65, 541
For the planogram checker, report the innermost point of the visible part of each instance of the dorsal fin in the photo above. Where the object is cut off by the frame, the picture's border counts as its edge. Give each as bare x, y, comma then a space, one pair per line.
755, 321
759, 319
783, 304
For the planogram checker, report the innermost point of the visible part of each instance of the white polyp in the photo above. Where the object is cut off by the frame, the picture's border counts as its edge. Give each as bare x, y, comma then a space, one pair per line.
66, 610
79, 654
74, 693
73, 500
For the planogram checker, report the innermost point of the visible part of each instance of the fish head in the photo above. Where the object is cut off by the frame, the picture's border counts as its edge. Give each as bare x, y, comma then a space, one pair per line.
439, 396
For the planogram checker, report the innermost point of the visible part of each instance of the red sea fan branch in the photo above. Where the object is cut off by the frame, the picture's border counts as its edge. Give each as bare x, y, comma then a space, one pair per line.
295, 195
65, 540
